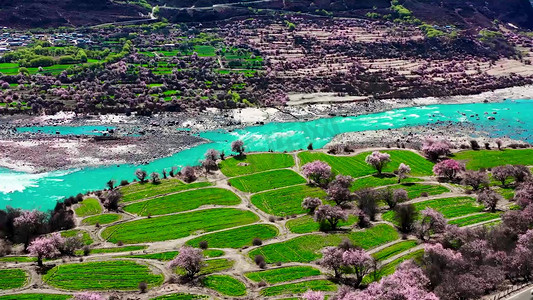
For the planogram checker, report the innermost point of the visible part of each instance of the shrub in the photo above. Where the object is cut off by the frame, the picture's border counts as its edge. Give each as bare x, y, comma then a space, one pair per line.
143, 287
203, 245
257, 242
124, 182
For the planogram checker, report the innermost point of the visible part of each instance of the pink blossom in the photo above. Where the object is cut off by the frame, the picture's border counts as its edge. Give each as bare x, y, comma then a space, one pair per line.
88, 296
359, 262
46, 247
434, 149
311, 203
448, 168
330, 214
489, 198
403, 170
431, 222
317, 171
189, 259
378, 160
311, 295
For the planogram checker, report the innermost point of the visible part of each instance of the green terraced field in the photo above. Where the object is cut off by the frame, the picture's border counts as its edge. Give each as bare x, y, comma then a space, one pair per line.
18, 259
307, 224
449, 207
355, 166
85, 237
393, 250
117, 249
169, 255
137, 191
180, 297
213, 266
285, 201
89, 207
237, 237
299, 288
307, 248
377, 181
253, 163
389, 268
225, 284
101, 219
267, 180
414, 190
492, 158
183, 201
31, 296
12, 278
285, 274
105, 275
177, 226
482, 217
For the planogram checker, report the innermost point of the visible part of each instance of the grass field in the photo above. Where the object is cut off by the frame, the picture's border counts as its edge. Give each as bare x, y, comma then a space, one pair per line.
225, 284
180, 296
85, 237
12, 278
237, 237
183, 201
377, 181
307, 248
177, 226
449, 207
394, 250
89, 207
101, 219
307, 224
31, 296
355, 166
492, 158
285, 201
105, 275
117, 249
267, 180
482, 217
253, 163
285, 274
299, 288
414, 190
137, 191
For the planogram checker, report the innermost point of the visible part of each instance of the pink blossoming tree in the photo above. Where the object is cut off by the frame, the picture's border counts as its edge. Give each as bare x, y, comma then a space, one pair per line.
448, 168
189, 259
330, 214
378, 160
318, 172
311, 204
46, 247
402, 171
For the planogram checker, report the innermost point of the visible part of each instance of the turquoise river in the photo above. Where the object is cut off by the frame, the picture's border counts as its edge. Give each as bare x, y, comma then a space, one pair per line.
513, 118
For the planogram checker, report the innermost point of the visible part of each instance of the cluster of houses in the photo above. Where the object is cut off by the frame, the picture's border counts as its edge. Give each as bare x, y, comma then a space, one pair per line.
12, 40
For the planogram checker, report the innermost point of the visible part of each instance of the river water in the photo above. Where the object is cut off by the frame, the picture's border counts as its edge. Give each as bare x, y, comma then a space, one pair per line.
513, 118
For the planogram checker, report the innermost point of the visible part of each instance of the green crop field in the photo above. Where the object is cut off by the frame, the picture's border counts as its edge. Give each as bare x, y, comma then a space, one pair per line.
267, 180
493, 158
213, 266
449, 207
307, 224
414, 190
253, 163
355, 166
137, 191
104, 275
17, 259
299, 288
177, 226
285, 201
237, 237
285, 274
117, 249
85, 237
180, 296
225, 284
169, 255
89, 207
394, 249
32, 296
307, 248
478, 218
183, 201
101, 219
377, 181
12, 278
389, 268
